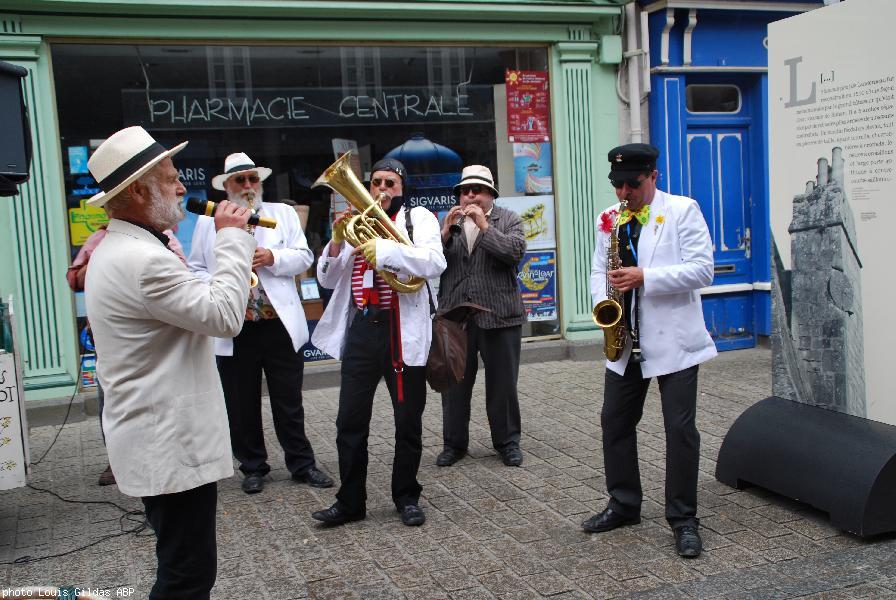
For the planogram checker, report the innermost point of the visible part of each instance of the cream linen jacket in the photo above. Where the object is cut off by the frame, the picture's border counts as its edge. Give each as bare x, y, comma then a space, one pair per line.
164, 417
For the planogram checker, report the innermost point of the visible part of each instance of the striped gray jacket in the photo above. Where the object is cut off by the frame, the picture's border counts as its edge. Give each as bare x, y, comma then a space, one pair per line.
488, 275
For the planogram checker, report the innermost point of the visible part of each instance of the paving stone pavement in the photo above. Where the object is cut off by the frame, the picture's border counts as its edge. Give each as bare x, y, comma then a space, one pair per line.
492, 531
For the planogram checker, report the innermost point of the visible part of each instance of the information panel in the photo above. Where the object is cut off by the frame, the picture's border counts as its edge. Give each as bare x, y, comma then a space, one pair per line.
831, 134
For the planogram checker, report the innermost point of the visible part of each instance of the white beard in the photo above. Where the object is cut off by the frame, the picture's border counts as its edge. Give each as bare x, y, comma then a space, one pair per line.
164, 213
246, 199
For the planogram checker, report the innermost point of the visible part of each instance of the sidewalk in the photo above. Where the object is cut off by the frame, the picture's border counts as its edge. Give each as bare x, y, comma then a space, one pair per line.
492, 531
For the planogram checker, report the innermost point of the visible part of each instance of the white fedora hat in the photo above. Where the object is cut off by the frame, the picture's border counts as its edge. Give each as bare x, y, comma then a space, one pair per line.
477, 174
238, 162
122, 158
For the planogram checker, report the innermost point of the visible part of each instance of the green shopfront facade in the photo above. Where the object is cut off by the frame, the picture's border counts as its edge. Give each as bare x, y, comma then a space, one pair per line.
293, 83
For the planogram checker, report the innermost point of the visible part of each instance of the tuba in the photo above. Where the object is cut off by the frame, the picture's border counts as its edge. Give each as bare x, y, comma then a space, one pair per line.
370, 222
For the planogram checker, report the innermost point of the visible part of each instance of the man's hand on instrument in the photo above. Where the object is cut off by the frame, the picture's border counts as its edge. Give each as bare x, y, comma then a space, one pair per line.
451, 218
338, 232
626, 278
368, 250
262, 258
229, 214
474, 211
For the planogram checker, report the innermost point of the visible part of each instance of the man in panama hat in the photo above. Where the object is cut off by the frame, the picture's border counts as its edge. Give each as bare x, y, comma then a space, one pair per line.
272, 336
164, 415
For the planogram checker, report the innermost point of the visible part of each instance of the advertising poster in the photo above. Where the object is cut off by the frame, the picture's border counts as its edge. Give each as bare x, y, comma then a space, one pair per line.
338, 203
84, 221
434, 192
532, 168
12, 448
537, 214
196, 175
538, 285
831, 166
310, 352
528, 106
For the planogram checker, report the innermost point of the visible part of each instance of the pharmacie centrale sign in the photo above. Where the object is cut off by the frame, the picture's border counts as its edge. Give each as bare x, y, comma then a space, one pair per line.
305, 107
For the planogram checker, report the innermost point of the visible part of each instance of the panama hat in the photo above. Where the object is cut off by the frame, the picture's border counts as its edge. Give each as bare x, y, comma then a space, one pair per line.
122, 158
477, 174
238, 162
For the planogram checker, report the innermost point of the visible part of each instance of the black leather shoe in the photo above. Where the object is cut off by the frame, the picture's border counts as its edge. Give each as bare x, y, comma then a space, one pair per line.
335, 515
449, 456
688, 542
253, 483
315, 478
512, 457
412, 515
607, 521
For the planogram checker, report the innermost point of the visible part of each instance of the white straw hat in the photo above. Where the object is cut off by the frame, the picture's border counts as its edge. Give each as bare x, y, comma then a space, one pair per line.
477, 174
122, 158
238, 162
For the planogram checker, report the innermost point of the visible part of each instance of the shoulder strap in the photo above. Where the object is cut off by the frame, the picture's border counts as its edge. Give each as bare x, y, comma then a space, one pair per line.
432, 307
410, 227
407, 223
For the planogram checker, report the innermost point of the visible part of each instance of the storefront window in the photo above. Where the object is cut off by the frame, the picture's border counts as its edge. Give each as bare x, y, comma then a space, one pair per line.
296, 108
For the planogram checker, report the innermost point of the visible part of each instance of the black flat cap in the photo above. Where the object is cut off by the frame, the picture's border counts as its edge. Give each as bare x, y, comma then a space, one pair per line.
389, 164
630, 160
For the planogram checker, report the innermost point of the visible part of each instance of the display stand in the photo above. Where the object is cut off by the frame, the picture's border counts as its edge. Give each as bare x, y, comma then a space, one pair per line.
843, 465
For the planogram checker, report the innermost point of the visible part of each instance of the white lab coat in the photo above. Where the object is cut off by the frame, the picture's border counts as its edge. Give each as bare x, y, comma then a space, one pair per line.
292, 256
423, 259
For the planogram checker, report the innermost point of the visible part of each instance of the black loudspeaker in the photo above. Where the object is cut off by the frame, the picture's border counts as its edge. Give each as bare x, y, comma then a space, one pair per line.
15, 151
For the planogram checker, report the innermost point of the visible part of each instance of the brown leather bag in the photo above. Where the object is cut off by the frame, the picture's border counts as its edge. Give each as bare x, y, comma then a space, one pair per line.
447, 359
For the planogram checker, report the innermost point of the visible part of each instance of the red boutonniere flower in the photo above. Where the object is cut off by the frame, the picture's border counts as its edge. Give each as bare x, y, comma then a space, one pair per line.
607, 220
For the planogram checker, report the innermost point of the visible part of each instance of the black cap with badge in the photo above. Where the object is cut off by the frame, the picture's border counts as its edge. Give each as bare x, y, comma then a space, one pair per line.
389, 164
631, 160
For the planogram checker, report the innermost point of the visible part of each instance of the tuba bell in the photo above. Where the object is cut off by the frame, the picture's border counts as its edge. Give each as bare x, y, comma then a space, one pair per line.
370, 222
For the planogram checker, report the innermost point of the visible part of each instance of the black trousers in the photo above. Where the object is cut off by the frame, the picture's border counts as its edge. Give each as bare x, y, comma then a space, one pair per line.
265, 346
623, 407
500, 350
186, 547
366, 360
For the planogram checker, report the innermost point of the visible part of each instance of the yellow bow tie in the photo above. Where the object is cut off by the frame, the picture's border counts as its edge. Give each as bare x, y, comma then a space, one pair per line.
642, 215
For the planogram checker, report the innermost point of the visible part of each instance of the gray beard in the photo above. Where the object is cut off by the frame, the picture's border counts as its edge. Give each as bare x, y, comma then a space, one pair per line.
163, 213
242, 199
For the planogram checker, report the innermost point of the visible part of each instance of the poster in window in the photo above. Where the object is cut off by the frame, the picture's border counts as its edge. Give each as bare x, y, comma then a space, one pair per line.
537, 215
528, 106
532, 169
538, 285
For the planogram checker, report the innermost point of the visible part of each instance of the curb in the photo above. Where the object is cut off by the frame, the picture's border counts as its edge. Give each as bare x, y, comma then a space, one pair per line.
84, 404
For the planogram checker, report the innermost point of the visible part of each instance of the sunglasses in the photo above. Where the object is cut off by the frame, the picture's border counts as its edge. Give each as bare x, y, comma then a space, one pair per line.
390, 183
241, 179
632, 183
469, 189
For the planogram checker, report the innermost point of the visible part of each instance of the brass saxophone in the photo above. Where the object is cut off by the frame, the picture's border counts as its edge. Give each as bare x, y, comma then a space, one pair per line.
607, 314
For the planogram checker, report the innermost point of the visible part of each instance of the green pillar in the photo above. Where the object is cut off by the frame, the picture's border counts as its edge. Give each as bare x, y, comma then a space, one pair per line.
586, 125
34, 236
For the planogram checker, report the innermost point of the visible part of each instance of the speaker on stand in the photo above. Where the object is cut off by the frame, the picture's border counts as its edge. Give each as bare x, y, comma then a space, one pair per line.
15, 152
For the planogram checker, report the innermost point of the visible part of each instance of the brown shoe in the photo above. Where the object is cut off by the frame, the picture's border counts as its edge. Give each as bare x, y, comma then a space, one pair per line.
107, 477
